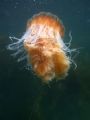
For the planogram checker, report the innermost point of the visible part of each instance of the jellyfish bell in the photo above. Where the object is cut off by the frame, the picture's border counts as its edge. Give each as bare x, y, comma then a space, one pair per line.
45, 50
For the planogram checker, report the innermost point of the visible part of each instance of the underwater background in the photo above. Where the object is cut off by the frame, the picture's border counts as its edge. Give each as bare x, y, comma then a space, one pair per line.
22, 94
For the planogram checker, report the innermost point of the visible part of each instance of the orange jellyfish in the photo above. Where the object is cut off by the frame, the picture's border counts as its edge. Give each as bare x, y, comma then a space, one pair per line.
45, 50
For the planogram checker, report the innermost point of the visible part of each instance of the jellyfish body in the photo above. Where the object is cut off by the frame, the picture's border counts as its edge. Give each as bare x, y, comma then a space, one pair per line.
43, 43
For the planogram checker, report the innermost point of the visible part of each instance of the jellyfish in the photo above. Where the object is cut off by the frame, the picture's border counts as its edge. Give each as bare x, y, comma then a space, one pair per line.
43, 46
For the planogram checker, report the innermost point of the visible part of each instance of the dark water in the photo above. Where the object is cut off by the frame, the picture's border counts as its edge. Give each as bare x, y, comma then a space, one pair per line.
22, 95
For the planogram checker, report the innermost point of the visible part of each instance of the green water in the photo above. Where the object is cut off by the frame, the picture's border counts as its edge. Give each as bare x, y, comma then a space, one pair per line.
22, 95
